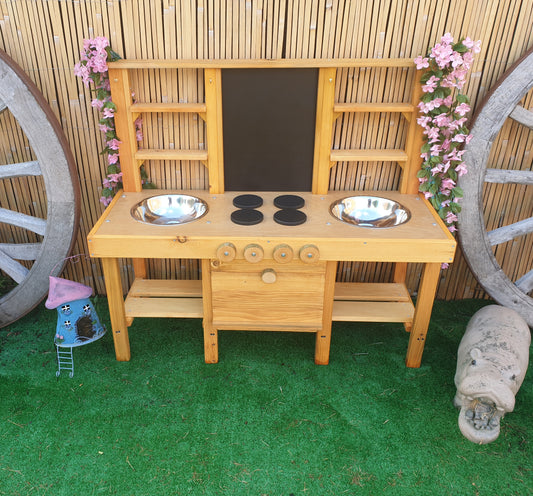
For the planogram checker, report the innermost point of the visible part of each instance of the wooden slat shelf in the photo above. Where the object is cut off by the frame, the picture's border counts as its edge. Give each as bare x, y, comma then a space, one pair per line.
169, 107
164, 307
369, 291
368, 156
374, 107
171, 155
166, 288
365, 311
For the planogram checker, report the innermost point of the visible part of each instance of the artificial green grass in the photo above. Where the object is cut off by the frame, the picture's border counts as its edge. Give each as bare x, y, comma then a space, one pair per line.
265, 420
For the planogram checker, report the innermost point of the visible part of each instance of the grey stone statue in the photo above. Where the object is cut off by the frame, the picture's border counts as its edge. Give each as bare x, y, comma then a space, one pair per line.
492, 361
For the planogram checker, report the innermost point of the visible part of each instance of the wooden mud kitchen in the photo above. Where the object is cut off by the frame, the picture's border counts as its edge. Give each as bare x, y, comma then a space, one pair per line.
269, 253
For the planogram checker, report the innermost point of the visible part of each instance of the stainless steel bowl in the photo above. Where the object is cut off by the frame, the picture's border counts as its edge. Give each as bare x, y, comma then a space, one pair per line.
168, 210
370, 211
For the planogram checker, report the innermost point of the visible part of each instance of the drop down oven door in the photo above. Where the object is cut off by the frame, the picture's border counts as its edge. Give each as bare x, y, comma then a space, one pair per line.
268, 295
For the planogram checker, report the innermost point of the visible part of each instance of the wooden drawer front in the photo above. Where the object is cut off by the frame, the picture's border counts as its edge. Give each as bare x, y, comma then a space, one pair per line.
295, 299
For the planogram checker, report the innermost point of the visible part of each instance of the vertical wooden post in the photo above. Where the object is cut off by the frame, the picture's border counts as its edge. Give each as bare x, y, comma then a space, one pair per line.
113, 285
324, 129
121, 94
124, 126
210, 333
424, 306
215, 146
323, 336
414, 141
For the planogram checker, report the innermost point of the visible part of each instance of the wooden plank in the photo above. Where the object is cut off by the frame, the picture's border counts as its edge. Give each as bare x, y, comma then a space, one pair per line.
507, 233
163, 307
165, 288
374, 107
375, 155
350, 311
258, 63
522, 116
365, 291
171, 155
33, 224
168, 107
215, 145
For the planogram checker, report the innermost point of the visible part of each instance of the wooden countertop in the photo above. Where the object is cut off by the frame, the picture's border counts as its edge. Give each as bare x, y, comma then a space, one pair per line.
424, 238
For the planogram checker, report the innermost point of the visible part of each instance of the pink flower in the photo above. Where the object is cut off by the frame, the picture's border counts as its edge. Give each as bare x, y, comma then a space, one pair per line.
444, 266
112, 158
106, 200
451, 217
108, 113
117, 178
447, 184
423, 121
114, 144
441, 120
97, 103
430, 85
421, 62
462, 108
461, 169
104, 128
427, 195
452, 228
447, 38
442, 53
435, 149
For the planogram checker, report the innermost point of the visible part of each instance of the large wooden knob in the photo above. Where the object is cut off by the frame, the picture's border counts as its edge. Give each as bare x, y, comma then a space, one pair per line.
283, 254
269, 276
309, 254
226, 252
253, 253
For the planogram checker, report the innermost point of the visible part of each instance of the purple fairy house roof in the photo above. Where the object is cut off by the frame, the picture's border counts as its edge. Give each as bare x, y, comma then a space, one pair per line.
62, 291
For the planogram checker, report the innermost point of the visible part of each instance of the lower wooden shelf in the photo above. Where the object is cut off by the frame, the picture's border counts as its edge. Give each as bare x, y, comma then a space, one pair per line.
354, 302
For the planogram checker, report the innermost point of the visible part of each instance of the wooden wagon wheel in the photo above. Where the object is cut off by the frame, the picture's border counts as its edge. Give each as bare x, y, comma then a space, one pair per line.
502, 102
56, 233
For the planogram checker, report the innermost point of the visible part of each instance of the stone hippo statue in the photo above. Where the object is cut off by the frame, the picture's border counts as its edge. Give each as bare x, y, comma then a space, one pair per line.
492, 361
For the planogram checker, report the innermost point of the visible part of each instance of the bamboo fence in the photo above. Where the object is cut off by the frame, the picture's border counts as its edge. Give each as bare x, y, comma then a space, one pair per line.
45, 38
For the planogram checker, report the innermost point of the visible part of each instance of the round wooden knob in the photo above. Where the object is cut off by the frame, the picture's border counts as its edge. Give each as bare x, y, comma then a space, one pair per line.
226, 252
283, 254
269, 276
253, 253
309, 254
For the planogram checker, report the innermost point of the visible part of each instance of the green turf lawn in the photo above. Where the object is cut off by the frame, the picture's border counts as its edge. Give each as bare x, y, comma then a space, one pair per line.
265, 420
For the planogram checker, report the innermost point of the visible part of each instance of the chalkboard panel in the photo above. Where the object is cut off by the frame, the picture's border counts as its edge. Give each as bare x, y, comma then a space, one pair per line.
269, 128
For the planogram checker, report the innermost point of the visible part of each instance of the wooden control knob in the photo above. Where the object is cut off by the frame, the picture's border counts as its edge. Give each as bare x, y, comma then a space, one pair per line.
269, 276
309, 254
283, 254
253, 253
226, 252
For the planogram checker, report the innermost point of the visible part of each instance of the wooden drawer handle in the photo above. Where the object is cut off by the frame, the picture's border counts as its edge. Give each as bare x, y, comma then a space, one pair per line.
269, 276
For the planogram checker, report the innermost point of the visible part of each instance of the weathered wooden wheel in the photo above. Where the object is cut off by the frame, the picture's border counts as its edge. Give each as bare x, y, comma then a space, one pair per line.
54, 234
502, 102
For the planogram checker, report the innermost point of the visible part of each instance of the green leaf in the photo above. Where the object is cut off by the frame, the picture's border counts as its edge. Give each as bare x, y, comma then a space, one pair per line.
425, 148
107, 192
423, 173
458, 192
113, 169
462, 98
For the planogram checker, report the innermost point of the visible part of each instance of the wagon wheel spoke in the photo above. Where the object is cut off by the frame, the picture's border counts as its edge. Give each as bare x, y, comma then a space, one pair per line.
30, 264
9, 171
507, 233
525, 283
522, 116
504, 176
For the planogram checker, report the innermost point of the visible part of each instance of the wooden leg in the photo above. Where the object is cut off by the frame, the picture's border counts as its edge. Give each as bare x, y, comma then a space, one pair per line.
323, 336
424, 306
139, 268
210, 343
210, 333
115, 298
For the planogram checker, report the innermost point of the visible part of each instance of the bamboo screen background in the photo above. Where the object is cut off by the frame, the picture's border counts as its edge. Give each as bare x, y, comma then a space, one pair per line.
45, 38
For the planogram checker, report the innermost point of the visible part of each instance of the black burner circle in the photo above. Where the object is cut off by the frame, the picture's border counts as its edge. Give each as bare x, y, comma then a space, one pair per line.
247, 201
289, 201
290, 217
247, 217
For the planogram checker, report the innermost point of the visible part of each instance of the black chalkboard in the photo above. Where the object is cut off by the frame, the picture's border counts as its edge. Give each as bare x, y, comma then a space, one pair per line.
269, 128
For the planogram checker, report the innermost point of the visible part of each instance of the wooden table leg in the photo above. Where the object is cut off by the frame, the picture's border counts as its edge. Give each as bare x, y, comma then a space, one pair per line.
210, 333
424, 306
323, 336
115, 298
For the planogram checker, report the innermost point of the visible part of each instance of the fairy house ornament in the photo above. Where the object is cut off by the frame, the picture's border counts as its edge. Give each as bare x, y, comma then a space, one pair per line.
77, 320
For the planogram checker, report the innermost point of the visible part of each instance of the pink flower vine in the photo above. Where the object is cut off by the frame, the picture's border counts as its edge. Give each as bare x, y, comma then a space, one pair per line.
443, 109
92, 68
